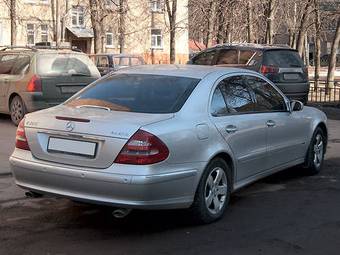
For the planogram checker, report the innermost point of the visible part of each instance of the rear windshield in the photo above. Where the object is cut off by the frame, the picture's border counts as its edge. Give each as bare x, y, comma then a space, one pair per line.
282, 58
55, 64
142, 93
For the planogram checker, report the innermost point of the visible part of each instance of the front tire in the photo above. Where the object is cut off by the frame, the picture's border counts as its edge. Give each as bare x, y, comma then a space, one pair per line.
17, 110
316, 152
213, 192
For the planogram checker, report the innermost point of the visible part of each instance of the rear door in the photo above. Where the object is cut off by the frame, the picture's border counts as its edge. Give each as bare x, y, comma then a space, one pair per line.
64, 74
245, 132
286, 70
286, 132
7, 61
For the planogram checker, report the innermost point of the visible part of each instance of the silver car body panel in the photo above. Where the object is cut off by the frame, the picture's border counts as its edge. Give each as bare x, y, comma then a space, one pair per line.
192, 135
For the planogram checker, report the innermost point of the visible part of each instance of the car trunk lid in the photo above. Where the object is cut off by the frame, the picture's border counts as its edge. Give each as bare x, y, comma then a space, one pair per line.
89, 137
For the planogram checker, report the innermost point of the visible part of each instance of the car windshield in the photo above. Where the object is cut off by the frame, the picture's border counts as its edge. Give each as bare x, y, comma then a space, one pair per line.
52, 64
142, 93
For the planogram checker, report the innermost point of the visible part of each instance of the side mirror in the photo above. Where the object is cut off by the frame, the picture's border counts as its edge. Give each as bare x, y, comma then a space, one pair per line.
296, 106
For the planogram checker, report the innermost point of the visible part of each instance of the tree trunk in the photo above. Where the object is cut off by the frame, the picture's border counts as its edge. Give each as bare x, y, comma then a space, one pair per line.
249, 22
57, 21
302, 28
172, 11
220, 22
54, 25
317, 48
13, 17
122, 13
270, 17
332, 61
94, 21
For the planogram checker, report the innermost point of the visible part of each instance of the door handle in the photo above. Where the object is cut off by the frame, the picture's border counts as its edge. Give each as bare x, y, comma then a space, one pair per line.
231, 129
271, 123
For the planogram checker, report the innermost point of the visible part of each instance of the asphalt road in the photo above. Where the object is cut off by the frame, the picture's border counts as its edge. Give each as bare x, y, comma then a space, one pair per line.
287, 213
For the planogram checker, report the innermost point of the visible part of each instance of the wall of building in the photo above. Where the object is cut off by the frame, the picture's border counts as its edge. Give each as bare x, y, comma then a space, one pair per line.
140, 21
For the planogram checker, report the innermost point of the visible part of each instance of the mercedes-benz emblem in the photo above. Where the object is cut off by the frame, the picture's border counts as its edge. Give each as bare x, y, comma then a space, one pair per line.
70, 126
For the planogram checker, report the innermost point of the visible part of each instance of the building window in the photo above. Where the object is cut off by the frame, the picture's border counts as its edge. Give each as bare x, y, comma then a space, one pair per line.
77, 16
44, 32
156, 38
30, 34
109, 40
156, 5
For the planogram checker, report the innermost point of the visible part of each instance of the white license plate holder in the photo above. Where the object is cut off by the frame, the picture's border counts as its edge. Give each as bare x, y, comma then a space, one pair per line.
72, 147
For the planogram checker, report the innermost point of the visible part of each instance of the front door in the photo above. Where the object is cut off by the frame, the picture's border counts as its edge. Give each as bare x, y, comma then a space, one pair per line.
286, 131
243, 131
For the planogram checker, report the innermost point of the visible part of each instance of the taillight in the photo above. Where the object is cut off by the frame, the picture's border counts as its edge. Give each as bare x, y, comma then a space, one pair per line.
20, 138
34, 85
269, 69
143, 148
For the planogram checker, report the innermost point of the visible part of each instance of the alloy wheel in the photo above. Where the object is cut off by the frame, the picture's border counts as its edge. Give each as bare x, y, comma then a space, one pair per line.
318, 151
216, 189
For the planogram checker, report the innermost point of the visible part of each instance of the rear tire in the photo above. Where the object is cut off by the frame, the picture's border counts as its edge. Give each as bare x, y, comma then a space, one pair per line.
316, 152
213, 193
17, 110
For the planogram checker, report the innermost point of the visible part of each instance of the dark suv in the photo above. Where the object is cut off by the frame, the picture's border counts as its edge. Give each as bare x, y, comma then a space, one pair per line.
280, 64
36, 78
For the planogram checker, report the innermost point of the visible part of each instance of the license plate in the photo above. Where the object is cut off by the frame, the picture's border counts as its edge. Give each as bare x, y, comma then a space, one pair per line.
291, 76
71, 89
74, 147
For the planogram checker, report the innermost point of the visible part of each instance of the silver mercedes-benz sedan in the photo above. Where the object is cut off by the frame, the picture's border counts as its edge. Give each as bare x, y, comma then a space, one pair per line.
161, 137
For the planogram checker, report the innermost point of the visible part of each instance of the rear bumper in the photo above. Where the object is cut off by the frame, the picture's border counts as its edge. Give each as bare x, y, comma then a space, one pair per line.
158, 191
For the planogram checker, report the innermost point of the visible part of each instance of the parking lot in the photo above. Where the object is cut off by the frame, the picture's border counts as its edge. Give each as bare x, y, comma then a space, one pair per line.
287, 213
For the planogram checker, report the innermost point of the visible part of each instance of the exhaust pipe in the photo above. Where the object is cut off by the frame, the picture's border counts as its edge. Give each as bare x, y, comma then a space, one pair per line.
121, 213
31, 194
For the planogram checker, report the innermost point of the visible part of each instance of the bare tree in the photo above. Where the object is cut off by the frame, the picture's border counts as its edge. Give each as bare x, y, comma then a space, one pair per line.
270, 14
332, 60
303, 27
249, 22
13, 16
172, 11
317, 54
122, 14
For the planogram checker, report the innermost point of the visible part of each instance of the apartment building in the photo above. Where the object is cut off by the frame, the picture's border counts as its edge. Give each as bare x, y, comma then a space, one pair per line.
146, 26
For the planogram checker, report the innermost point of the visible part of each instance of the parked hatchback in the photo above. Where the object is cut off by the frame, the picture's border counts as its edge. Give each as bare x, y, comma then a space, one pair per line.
112, 62
165, 137
280, 64
32, 79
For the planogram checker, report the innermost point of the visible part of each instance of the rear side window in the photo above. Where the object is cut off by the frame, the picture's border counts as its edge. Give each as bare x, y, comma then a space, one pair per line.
142, 93
7, 62
227, 57
282, 58
21, 65
204, 58
55, 64
236, 95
